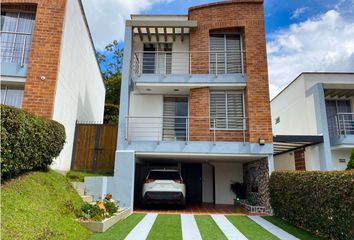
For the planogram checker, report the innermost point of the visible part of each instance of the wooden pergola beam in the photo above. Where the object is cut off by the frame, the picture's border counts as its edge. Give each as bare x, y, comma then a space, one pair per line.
157, 34
174, 34
148, 33
140, 34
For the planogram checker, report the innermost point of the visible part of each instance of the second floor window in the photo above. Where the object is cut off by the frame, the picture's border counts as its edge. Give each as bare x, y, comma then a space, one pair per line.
16, 36
225, 53
227, 110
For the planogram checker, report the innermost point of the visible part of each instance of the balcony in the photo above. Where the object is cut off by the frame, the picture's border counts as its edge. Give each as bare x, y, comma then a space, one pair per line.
188, 67
185, 129
14, 53
341, 128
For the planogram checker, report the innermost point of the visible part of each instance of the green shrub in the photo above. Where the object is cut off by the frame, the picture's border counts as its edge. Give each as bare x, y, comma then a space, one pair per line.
28, 142
322, 202
92, 211
111, 112
350, 165
110, 206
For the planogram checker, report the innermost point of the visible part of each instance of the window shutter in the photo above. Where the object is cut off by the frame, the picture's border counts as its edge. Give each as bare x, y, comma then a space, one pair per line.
169, 106
233, 53
227, 109
218, 109
235, 110
217, 51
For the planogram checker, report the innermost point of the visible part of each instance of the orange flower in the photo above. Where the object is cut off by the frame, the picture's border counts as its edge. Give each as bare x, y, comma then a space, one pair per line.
100, 204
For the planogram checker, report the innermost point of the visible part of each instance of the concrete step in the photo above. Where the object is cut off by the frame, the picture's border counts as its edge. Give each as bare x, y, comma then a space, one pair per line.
81, 192
87, 198
78, 185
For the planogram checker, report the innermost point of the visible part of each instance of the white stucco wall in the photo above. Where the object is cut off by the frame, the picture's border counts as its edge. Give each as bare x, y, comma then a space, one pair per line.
225, 174
340, 154
284, 161
151, 108
207, 182
80, 91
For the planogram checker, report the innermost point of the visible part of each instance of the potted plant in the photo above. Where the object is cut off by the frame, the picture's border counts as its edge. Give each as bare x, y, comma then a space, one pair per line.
239, 189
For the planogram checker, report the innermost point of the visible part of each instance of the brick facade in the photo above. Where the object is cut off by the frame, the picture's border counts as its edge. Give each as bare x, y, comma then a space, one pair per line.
247, 17
44, 59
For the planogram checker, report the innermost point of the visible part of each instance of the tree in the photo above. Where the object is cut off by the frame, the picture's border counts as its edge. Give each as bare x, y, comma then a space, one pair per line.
350, 165
110, 61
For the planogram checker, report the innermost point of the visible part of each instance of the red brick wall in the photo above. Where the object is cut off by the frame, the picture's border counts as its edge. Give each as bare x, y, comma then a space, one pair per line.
44, 56
299, 157
246, 15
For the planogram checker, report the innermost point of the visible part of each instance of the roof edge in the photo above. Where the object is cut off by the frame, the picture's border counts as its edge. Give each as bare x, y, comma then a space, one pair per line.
223, 3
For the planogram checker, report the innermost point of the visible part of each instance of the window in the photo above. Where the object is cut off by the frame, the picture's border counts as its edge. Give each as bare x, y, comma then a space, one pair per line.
226, 110
175, 114
225, 53
157, 58
16, 36
12, 96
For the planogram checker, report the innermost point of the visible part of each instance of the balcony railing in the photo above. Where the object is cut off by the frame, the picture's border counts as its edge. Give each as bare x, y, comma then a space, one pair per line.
15, 47
188, 62
185, 129
341, 124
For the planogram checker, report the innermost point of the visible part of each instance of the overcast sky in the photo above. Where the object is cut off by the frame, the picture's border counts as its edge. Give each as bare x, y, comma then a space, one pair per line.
302, 35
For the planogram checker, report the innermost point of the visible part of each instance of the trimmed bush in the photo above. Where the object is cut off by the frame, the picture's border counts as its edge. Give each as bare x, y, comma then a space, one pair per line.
350, 165
321, 202
28, 142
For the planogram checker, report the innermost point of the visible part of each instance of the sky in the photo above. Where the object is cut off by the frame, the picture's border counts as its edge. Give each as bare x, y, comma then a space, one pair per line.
302, 35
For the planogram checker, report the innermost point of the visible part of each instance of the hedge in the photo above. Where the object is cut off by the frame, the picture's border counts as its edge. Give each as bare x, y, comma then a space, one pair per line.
28, 142
321, 202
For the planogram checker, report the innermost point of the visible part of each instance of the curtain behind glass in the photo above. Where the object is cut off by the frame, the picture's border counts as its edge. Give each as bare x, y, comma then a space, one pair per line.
12, 45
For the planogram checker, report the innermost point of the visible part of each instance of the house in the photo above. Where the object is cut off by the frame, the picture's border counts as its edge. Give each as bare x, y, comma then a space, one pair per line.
49, 66
195, 97
316, 104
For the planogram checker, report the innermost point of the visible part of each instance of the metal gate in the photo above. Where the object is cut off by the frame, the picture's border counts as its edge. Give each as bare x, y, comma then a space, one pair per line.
94, 147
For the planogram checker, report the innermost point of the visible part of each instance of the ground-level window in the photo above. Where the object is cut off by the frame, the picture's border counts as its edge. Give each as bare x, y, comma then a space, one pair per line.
227, 110
12, 96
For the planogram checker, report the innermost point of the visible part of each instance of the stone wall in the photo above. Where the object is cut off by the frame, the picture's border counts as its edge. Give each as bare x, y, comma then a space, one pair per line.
256, 177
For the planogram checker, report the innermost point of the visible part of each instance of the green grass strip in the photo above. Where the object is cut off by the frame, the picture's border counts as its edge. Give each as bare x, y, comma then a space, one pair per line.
166, 226
295, 231
250, 229
208, 228
119, 230
76, 176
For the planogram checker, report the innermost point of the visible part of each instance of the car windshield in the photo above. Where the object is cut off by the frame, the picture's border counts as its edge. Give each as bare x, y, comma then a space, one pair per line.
164, 175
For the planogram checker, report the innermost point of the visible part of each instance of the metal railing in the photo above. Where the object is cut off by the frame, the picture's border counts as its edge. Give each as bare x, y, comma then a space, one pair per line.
15, 47
185, 129
188, 62
341, 124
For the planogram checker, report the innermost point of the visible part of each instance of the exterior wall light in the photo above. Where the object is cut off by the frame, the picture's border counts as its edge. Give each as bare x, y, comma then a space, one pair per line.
42, 77
261, 141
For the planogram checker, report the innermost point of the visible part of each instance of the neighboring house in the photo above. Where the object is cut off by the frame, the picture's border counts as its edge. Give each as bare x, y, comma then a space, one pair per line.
195, 97
316, 104
49, 66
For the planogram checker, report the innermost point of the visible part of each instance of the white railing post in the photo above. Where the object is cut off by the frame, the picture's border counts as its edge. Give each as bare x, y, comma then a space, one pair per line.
190, 64
244, 129
344, 127
214, 135
337, 125
23, 52
216, 63
140, 57
126, 128
242, 67
187, 130
165, 64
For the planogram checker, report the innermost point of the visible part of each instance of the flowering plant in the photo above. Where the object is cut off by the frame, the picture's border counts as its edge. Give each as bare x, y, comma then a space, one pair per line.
101, 209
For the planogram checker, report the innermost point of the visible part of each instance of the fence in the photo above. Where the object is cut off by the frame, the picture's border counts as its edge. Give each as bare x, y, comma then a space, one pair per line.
94, 147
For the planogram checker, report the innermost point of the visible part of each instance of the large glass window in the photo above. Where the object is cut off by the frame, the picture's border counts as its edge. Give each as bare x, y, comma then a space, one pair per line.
226, 110
12, 96
16, 36
225, 53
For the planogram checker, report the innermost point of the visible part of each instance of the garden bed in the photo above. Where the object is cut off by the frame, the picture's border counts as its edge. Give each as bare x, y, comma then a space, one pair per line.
243, 203
102, 226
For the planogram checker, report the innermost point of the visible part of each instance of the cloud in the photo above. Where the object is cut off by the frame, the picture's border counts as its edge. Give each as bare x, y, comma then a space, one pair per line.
298, 12
322, 43
106, 17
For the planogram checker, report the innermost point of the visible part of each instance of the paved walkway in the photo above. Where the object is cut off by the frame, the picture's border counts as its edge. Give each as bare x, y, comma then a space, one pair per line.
278, 232
230, 231
190, 230
142, 229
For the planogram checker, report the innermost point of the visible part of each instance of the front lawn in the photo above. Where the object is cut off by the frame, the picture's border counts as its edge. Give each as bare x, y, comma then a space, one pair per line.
40, 205
208, 229
295, 231
166, 226
76, 176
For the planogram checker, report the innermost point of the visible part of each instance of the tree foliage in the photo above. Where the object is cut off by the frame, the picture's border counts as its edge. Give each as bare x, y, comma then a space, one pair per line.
350, 165
110, 61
